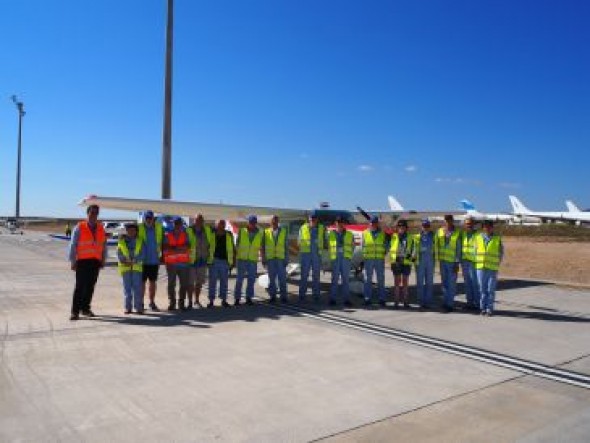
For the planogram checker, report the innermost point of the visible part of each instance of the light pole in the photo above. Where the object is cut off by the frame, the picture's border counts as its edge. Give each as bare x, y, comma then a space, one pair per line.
167, 132
21, 113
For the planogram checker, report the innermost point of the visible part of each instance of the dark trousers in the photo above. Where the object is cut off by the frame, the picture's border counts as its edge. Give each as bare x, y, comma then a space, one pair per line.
86, 276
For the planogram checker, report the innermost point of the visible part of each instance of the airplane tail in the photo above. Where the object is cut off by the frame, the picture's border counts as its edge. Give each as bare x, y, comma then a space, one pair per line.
467, 206
394, 205
518, 206
571, 206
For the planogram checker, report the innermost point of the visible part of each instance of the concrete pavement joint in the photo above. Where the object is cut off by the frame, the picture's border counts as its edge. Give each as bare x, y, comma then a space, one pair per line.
422, 407
524, 366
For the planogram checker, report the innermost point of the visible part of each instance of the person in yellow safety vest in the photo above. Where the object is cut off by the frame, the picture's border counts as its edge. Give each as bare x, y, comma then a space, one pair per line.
275, 256
151, 232
468, 264
341, 247
311, 242
448, 250
375, 245
221, 257
489, 252
401, 247
200, 238
130, 253
247, 250
87, 255
177, 257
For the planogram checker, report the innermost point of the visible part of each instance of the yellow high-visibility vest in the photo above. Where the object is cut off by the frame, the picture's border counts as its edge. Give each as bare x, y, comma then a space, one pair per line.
229, 244
487, 256
141, 234
468, 243
373, 248
249, 250
447, 252
274, 250
122, 247
347, 245
305, 238
395, 245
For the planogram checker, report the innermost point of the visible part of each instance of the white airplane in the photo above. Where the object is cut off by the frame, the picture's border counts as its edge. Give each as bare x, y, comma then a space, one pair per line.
471, 211
396, 207
572, 207
355, 221
576, 217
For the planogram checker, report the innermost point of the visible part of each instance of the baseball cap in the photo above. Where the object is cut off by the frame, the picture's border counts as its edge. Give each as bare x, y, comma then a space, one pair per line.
252, 219
488, 223
177, 219
148, 214
402, 223
425, 221
374, 219
130, 225
313, 214
449, 217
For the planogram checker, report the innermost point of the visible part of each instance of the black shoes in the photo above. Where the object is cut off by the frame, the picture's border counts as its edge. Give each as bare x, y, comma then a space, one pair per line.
153, 307
172, 307
237, 302
332, 302
249, 302
348, 303
272, 300
209, 305
88, 313
382, 303
75, 317
224, 304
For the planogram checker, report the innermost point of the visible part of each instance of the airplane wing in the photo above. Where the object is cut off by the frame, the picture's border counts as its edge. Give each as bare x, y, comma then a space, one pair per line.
211, 211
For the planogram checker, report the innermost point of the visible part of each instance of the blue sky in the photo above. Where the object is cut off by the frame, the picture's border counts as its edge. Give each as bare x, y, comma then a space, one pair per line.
294, 102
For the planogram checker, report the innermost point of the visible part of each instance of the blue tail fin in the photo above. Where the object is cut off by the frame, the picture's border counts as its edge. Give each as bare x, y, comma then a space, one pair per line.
467, 205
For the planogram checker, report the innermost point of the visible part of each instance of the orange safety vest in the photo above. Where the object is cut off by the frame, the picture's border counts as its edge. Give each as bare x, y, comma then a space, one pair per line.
90, 246
176, 251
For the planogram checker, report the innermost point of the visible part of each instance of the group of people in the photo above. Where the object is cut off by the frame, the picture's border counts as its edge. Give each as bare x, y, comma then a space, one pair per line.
191, 254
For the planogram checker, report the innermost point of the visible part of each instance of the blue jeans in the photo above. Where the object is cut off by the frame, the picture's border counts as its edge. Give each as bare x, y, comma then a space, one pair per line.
246, 268
424, 282
309, 262
277, 271
487, 284
470, 280
378, 267
449, 283
219, 271
132, 291
340, 270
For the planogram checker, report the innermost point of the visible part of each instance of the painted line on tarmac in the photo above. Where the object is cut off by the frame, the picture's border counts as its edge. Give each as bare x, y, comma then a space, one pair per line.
473, 353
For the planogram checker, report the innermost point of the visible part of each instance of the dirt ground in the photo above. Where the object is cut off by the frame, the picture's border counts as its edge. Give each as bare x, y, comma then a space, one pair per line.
547, 259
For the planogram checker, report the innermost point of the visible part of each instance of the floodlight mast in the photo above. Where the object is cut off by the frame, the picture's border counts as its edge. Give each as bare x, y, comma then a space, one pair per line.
21, 113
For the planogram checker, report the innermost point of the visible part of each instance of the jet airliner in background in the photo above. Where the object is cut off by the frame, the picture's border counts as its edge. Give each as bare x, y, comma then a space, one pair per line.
573, 215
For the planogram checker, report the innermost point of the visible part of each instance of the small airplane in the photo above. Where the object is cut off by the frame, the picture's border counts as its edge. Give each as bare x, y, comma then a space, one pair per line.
236, 215
571, 216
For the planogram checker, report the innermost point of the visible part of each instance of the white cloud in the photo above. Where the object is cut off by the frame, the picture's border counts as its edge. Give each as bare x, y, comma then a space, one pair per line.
365, 168
458, 181
411, 168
